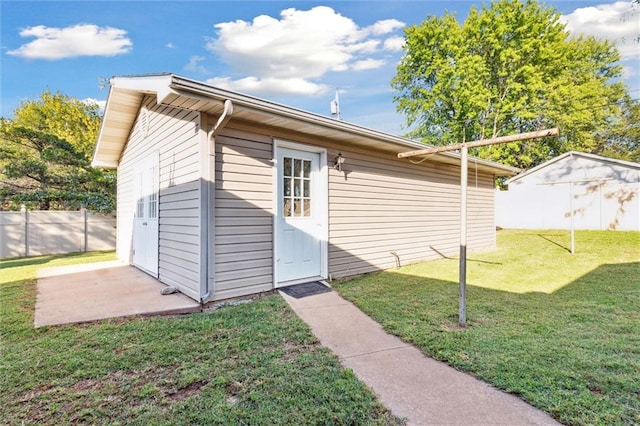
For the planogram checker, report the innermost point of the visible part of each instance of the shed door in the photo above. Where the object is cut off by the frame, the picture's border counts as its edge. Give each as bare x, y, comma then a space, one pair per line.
145, 222
301, 217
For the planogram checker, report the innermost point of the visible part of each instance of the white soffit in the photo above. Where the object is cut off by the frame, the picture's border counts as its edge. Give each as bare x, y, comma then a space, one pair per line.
126, 94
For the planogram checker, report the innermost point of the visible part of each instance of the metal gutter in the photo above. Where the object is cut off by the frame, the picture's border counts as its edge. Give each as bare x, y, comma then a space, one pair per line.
240, 100
165, 84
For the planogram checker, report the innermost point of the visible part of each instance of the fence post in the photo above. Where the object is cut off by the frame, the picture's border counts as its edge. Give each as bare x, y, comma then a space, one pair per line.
83, 213
23, 209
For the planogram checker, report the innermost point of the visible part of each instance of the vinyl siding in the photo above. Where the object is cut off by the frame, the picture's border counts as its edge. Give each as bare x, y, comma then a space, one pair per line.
174, 135
378, 205
384, 211
243, 215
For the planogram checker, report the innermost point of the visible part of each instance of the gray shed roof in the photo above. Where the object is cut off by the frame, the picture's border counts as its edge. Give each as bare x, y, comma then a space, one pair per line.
126, 93
554, 160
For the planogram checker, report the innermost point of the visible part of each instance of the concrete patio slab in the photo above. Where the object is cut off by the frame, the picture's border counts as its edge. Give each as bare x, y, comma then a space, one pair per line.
91, 292
411, 385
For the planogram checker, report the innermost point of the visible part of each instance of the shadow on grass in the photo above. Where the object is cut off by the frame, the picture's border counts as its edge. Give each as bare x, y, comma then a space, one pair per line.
483, 261
607, 278
572, 353
16, 262
444, 256
553, 242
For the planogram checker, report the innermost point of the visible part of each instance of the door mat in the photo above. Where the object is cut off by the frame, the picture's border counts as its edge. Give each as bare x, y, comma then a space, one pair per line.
307, 289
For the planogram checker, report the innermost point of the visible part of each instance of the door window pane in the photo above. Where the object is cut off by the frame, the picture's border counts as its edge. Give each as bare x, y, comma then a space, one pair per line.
296, 187
140, 201
153, 197
152, 206
287, 187
140, 208
286, 210
297, 167
307, 169
286, 167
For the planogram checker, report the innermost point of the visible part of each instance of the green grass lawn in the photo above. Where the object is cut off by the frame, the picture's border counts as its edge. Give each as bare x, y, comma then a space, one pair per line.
255, 364
562, 331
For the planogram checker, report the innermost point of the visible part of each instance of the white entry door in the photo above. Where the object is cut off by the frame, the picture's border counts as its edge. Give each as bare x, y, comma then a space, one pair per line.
301, 222
145, 222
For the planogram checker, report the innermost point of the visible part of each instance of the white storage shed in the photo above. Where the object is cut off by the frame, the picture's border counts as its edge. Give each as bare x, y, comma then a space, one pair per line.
600, 193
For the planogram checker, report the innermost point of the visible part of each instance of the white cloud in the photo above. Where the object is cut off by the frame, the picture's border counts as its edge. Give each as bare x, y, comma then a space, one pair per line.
101, 103
291, 86
394, 44
78, 40
386, 26
619, 22
367, 64
170, 46
288, 54
194, 65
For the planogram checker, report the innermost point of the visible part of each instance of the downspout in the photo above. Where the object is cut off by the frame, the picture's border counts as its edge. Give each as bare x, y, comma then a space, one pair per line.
222, 120
207, 293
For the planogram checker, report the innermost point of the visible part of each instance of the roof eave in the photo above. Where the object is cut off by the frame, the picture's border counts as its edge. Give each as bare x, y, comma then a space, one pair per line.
167, 86
155, 84
572, 153
181, 84
96, 160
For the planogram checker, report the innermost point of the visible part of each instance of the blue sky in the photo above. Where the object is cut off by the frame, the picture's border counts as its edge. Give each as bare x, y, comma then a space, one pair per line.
296, 53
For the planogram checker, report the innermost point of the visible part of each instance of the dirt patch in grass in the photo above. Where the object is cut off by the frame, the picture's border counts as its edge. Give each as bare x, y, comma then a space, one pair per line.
596, 390
452, 326
234, 388
85, 385
65, 401
291, 350
189, 390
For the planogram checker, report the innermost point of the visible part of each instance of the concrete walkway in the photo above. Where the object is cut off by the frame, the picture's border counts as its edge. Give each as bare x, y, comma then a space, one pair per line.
411, 385
95, 291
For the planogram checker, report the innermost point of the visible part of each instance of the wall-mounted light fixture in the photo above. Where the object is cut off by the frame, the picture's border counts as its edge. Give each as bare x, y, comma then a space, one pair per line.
337, 163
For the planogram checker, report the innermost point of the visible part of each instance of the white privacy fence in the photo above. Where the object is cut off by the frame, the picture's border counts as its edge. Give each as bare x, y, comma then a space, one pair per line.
32, 233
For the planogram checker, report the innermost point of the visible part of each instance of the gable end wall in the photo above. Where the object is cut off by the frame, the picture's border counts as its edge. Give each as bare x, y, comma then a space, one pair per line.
174, 135
605, 196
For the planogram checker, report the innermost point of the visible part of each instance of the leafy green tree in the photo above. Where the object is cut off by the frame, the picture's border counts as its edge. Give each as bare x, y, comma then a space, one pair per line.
68, 118
45, 157
511, 67
622, 138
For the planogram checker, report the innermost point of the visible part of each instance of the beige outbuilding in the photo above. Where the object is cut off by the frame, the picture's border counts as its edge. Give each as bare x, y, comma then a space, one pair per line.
224, 195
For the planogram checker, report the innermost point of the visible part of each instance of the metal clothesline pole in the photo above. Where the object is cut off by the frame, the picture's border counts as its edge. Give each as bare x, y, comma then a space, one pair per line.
462, 305
571, 210
463, 148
